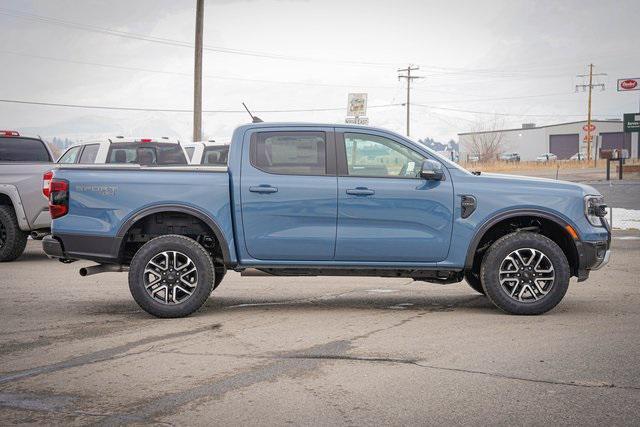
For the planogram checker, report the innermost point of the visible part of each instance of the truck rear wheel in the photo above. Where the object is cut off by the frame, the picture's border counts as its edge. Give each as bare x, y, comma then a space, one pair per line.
12, 239
171, 276
525, 273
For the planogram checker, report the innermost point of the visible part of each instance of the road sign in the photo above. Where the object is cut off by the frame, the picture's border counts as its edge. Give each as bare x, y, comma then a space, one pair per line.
589, 139
628, 84
589, 128
357, 104
632, 122
357, 120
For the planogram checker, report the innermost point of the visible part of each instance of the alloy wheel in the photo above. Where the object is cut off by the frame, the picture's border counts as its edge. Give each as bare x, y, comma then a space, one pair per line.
170, 277
526, 275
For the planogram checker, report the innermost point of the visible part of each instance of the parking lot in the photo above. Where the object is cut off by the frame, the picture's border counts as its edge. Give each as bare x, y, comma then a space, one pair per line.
316, 351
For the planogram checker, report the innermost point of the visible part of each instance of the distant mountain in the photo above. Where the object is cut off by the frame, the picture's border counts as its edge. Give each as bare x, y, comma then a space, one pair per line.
440, 146
86, 128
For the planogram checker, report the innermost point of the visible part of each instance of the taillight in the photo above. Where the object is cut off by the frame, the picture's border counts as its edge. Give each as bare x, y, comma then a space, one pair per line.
146, 140
58, 198
46, 183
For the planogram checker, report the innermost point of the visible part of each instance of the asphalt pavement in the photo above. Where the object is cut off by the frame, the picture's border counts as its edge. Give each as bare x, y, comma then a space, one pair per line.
316, 351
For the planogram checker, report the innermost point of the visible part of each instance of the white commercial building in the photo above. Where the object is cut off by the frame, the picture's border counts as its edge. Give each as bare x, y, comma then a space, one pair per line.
562, 139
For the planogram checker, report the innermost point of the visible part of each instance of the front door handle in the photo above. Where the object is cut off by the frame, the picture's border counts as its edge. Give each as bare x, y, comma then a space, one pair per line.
263, 189
360, 191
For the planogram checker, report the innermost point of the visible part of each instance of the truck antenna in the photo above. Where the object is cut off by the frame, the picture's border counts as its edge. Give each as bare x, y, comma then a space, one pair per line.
254, 119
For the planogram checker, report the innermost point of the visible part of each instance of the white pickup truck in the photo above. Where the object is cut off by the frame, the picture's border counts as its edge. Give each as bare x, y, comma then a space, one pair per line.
23, 209
207, 152
144, 151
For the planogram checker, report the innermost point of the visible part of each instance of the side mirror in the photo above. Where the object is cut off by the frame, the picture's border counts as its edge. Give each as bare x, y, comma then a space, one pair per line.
432, 170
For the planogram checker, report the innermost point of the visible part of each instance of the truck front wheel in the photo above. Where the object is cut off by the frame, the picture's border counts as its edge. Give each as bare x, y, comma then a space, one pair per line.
525, 273
473, 280
171, 276
12, 239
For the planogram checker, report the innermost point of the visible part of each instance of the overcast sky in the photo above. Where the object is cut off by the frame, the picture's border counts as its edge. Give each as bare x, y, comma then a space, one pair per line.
281, 55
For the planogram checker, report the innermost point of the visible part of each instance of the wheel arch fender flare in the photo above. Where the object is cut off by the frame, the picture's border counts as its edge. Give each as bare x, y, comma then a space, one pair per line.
11, 191
150, 210
486, 226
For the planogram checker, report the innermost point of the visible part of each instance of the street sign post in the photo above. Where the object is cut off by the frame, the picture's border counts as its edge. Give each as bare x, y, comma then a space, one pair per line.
631, 122
357, 109
589, 128
625, 85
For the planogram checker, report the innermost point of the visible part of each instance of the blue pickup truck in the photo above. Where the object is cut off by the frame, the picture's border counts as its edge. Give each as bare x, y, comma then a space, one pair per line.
307, 200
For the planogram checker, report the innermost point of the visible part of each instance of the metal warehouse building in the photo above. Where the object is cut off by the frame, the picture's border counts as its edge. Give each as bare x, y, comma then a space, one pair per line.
562, 139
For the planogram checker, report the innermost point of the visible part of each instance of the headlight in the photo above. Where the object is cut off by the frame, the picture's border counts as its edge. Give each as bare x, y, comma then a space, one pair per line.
594, 209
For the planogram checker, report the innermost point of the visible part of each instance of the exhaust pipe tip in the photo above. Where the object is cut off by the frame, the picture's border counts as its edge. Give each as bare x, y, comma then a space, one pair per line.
83, 272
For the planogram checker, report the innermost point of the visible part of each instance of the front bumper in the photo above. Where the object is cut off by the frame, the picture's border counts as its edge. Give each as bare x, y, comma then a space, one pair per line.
593, 255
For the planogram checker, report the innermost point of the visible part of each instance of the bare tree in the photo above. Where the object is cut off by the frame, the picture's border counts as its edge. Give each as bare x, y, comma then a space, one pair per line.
487, 140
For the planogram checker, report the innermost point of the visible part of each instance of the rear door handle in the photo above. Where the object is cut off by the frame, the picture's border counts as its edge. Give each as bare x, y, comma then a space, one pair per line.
360, 191
263, 189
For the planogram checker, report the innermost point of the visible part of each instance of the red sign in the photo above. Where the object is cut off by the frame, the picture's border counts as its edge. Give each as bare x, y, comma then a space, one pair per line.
628, 84
589, 128
590, 139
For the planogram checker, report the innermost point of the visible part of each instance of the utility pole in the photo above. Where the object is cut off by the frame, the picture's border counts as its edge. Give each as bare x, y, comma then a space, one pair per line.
409, 77
584, 87
197, 75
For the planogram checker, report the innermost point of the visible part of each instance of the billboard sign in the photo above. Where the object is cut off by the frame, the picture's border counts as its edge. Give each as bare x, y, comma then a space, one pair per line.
357, 105
628, 84
631, 122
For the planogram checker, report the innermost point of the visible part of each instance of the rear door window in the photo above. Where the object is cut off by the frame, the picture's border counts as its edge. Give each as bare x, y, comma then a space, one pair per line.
89, 153
14, 149
290, 153
70, 156
146, 154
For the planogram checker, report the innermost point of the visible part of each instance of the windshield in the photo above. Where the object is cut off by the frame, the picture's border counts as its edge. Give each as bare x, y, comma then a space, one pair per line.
14, 149
146, 154
447, 162
215, 155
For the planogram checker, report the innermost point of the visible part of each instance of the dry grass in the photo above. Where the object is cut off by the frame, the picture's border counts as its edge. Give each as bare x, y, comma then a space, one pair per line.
498, 166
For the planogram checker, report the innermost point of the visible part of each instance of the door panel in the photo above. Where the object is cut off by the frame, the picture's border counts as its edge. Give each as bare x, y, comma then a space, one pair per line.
289, 215
398, 217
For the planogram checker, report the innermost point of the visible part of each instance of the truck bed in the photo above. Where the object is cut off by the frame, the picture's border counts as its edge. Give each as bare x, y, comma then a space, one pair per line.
105, 198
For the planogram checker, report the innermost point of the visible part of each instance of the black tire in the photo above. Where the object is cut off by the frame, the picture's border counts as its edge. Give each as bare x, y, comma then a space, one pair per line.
12, 239
474, 282
203, 265
506, 245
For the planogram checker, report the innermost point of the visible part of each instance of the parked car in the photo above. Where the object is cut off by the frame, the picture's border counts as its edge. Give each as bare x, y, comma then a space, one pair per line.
23, 209
302, 199
510, 157
147, 151
473, 158
547, 157
579, 156
207, 153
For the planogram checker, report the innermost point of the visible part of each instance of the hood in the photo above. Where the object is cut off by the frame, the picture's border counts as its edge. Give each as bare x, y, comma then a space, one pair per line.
519, 180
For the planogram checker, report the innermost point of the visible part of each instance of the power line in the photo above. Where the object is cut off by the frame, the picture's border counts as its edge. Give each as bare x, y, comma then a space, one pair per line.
178, 110
172, 42
496, 113
590, 86
409, 78
178, 73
